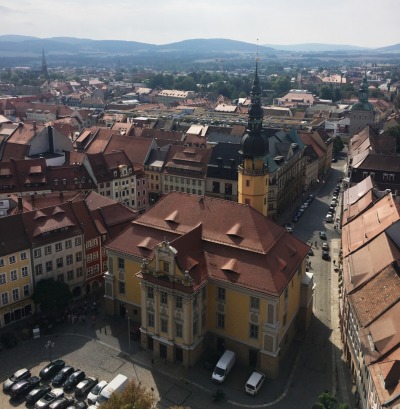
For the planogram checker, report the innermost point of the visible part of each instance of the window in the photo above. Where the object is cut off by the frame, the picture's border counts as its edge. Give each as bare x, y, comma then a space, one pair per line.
69, 259
60, 278
47, 250
178, 302
68, 244
70, 275
247, 183
178, 330
255, 303
15, 294
60, 262
121, 264
253, 331
79, 272
89, 271
150, 319
164, 325
1, 262
95, 269
3, 278
24, 271
121, 287
38, 270
4, 298
220, 320
89, 258
221, 294
95, 255
26, 290
11, 259
58, 246
37, 253
164, 298
13, 275
228, 189
150, 293
215, 187
166, 266
49, 266
79, 256
23, 256
78, 241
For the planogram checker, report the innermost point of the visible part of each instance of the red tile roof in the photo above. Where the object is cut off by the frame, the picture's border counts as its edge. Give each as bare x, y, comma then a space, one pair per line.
245, 248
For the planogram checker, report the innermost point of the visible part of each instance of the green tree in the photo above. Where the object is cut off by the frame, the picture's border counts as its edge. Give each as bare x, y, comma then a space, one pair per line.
338, 145
326, 92
326, 400
52, 296
134, 396
394, 131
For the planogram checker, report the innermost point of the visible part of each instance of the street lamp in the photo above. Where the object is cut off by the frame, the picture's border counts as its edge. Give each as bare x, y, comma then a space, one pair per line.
129, 336
50, 345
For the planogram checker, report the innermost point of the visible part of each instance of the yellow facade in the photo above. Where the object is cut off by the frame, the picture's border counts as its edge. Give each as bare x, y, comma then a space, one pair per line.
16, 287
253, 184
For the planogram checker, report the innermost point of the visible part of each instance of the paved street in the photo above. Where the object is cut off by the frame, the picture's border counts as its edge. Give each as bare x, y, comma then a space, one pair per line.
312, 366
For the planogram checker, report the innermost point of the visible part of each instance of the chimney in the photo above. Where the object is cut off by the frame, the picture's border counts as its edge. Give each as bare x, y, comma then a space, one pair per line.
20, 204
34, 125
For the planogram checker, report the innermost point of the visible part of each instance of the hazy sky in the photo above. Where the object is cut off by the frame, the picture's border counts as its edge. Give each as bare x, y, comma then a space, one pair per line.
367, 23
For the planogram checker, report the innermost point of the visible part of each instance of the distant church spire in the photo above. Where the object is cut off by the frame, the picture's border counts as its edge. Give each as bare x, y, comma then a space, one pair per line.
45, 72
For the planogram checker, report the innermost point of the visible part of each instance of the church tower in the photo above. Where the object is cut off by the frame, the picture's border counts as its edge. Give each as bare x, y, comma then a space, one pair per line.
45, 72
253, 175
362, 112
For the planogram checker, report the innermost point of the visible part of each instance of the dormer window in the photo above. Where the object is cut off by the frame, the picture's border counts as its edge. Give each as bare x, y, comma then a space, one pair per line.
166, 267
115, 173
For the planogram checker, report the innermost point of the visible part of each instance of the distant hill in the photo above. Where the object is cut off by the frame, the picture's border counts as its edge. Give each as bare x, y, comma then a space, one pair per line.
390, 49
316, 47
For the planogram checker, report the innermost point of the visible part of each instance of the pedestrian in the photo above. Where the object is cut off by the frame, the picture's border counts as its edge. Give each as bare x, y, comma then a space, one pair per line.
334, 262
105, 330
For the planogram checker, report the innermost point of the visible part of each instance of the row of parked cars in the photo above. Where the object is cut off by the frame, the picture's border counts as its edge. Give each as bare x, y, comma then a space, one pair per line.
36, 390
302, 208
330, 217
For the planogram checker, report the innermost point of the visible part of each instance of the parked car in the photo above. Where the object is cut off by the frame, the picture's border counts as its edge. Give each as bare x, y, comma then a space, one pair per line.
326, 255
36, 394
80, 404
322, 235
73, 380
85, 386
21, 388
62, 376
61, 403
52, 369
310, 252
254, 383
16, 377
8, 339
94, 393
49, 398
329, 218
325, 246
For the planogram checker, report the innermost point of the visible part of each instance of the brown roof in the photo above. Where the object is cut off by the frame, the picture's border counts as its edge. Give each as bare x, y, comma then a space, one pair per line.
136, 149
245, 248
369, 224
13, 238
187, 161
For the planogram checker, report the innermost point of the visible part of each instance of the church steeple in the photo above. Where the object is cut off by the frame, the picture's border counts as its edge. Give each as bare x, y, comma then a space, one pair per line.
363, 91
45, 72
253, 174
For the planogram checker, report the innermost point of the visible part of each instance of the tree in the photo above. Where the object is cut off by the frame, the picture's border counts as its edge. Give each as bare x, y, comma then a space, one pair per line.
326, 400
326, 92
134, 396
394, 131
52, 296
338, 145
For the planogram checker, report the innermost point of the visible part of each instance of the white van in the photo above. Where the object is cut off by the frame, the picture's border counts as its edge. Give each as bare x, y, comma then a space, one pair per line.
254, 383
223, 367
117, 385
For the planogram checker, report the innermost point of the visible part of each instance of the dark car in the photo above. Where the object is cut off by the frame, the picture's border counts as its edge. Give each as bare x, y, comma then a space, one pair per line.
79, 404
61, 403
16, 377
85, 386
322, 235
21, 388
62, 376
36, 394
8, 339
73, 380
51, 369
325, 255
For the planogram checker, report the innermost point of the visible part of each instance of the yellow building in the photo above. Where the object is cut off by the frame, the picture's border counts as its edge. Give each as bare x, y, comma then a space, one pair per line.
200, 272
253, 172
16, 285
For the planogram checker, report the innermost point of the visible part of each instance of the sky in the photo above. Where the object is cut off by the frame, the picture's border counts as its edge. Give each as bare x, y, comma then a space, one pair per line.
366, 23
